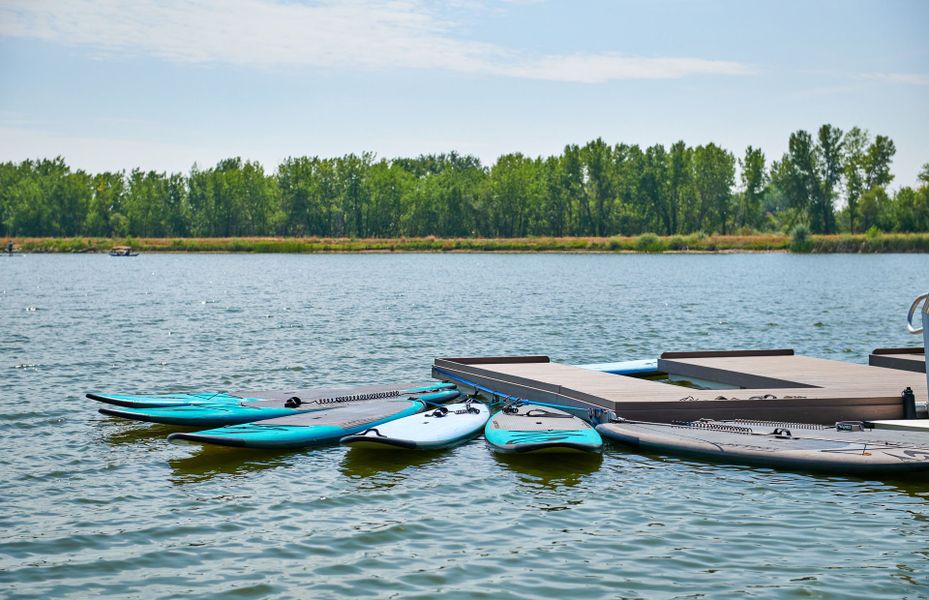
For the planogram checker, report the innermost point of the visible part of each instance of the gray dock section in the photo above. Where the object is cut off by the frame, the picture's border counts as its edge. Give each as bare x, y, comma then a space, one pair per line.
768, 384
907, 359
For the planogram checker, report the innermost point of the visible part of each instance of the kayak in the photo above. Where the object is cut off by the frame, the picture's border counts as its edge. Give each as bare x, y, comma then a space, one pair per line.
443, 427
534, 428
218, 415
648, 366
315, 395
308, 428
847, 447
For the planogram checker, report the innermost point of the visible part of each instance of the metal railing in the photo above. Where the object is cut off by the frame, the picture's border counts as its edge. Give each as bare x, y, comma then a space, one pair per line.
925, 314
912, 328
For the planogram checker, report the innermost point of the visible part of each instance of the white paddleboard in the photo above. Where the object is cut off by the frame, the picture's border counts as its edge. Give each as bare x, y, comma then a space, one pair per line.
440, 427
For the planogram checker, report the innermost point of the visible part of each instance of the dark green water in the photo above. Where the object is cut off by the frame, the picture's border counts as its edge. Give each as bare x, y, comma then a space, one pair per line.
92, 506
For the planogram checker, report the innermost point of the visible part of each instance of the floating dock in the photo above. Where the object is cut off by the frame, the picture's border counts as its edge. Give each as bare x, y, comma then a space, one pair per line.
751, 384
907, 359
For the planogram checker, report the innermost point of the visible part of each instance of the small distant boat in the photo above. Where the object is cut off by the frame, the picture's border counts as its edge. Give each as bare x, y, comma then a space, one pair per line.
123, 251
8, 250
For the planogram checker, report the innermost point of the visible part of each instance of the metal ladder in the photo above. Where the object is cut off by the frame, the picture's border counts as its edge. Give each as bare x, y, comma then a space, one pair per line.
924, 311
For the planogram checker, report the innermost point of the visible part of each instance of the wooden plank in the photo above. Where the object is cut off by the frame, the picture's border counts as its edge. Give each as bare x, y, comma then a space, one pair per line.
720, 353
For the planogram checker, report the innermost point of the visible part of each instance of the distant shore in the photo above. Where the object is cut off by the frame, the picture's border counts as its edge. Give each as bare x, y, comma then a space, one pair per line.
646, 243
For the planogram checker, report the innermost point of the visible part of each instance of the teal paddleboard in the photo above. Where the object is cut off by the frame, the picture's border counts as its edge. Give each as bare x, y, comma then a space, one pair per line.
317, 395
220, 414
309, 428
530, 428
160, 400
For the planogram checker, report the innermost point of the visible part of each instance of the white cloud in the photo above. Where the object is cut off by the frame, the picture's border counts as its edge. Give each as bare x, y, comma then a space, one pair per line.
367, 34
907, 78
600, 68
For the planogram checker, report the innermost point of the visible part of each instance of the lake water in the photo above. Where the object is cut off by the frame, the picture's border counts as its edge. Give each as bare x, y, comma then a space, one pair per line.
93, 506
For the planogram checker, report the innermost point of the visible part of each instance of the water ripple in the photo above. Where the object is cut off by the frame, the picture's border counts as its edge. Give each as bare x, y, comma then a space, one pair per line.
93, 506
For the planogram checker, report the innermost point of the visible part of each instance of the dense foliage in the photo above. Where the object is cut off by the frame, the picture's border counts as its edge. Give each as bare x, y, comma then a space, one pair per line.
829, 182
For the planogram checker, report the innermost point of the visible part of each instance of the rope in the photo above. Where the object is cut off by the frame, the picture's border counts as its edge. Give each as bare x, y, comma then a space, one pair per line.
495, 394
295, 401
785, 424
714, 426
371, 396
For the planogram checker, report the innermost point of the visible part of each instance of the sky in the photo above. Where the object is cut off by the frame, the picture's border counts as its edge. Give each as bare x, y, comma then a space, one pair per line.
164, 84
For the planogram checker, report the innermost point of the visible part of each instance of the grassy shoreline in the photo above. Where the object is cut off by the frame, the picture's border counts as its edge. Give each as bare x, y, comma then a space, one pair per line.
860, 243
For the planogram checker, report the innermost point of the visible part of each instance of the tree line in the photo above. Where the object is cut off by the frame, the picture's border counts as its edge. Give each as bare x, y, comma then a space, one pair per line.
829, 181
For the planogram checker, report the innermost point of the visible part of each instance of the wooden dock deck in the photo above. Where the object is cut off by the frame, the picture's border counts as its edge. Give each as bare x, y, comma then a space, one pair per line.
908, 359
766, 384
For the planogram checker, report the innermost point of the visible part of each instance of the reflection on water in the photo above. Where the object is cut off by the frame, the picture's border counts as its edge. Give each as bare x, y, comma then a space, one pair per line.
121, 431
551, 470
209, 462
364, 463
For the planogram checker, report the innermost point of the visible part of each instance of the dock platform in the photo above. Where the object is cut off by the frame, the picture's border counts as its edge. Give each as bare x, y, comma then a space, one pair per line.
908, 359
758, 384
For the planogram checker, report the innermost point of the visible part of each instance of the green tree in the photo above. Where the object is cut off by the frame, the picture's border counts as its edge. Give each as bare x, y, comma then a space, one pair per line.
106, 200
754, 181
514, 190
877, 162
873, 209
654, 186
830, 160
680, 181
714, 176
856, 145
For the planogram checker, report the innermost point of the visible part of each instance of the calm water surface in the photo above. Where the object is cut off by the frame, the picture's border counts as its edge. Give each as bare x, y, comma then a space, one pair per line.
92, 506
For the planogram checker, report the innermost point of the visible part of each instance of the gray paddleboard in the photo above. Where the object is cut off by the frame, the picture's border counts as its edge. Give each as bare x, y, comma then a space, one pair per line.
843, 448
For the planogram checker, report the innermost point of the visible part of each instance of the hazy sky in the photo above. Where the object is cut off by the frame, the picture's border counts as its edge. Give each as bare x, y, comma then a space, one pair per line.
162, 84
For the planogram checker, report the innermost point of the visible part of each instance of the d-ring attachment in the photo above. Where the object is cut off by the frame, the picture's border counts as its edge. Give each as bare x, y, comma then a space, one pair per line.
915, 307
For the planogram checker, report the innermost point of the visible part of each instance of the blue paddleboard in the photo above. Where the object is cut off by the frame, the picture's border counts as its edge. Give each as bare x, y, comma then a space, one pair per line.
220, 414
317, 395
309, 428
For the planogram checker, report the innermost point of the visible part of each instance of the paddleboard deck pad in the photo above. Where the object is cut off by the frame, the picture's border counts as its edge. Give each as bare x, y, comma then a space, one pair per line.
847, 447
532, 428
331, 395
220, 414
308, 428
434, 429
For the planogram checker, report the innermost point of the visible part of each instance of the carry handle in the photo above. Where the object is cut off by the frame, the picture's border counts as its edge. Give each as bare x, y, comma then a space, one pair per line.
915, 307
